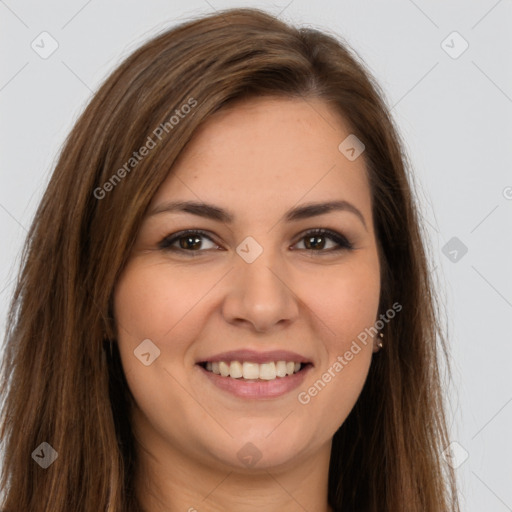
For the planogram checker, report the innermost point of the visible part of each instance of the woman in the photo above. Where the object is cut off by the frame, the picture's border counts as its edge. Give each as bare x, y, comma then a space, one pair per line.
224, 302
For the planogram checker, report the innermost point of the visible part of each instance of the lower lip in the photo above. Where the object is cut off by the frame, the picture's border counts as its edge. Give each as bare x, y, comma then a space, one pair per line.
260, 389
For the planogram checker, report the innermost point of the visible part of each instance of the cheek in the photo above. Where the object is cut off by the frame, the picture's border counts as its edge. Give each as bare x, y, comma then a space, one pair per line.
152, 302
345, 303
344, 298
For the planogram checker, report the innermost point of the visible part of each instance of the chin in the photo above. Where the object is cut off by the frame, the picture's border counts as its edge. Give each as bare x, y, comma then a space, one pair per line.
267, 445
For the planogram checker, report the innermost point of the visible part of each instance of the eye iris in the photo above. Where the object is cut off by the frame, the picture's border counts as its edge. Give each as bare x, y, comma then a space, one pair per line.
196, 244
310, 244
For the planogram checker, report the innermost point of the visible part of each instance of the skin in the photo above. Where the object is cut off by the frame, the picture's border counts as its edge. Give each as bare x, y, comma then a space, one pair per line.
257, 159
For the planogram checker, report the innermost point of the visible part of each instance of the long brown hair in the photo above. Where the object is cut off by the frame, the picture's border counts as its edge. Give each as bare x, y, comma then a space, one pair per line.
62, 387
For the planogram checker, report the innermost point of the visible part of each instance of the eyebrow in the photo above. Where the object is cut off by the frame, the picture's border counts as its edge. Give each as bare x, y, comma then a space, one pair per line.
213, 212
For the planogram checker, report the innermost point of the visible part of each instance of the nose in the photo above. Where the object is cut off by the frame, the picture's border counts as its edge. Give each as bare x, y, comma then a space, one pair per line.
259, 295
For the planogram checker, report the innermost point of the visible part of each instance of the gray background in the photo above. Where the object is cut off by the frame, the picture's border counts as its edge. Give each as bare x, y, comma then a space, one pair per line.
454, 114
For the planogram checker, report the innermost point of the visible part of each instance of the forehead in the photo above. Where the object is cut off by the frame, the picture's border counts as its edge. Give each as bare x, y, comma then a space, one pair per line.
269, 154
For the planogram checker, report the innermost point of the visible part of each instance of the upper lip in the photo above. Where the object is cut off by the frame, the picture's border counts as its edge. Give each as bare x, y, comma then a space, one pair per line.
253, 356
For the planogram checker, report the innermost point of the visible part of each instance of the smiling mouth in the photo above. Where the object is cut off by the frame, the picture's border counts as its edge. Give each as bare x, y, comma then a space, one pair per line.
254, 372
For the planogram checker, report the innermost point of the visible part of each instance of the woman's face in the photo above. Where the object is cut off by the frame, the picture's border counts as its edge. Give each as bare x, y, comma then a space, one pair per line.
255, 291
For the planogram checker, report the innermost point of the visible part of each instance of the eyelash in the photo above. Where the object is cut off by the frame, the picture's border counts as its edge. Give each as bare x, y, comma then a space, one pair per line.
343, 243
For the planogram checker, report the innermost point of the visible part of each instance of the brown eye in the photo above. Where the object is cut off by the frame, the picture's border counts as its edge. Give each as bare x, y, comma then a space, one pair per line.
187, 241
315, 241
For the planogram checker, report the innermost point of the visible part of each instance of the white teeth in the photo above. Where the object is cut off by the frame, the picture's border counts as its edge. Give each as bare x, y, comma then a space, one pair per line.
223, 368
268, 371
235, 370
281, 368
253, 371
